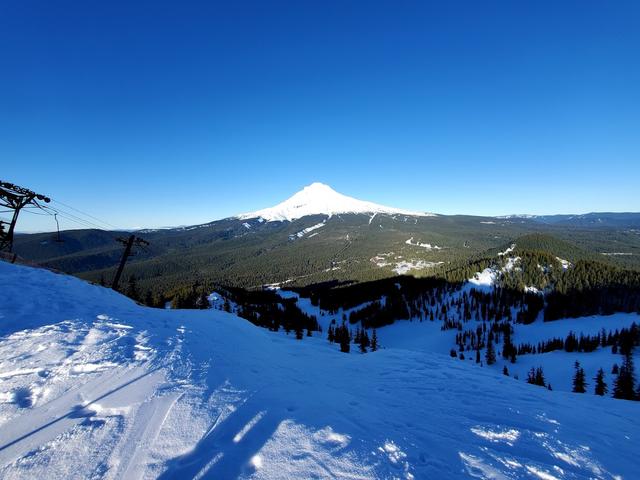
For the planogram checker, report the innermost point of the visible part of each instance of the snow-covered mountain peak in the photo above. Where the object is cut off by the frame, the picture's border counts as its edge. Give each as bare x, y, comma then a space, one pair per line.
321, 199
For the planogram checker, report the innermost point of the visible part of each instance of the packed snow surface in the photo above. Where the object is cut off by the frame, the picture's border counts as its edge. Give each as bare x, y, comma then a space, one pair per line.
94, 386
321, 199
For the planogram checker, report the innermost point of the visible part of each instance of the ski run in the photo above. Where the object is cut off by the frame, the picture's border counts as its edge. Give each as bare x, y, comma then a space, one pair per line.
93, 385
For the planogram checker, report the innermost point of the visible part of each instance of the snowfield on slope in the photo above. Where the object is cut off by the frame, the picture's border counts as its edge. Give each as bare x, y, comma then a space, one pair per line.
94, 386
321, 199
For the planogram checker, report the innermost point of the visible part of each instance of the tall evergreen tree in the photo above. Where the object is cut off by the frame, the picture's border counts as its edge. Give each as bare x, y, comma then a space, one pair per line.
531, 376
343, 337
601, 386
374, 341
148, 299
623, 386
536, 377
579, 382
132, 288
202, 302
490, 354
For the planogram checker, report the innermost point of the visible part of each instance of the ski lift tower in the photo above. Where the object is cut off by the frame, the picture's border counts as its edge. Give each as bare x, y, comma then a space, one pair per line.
14, 198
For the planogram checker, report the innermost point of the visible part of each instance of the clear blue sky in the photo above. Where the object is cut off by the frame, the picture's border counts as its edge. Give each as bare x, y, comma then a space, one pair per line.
165, 113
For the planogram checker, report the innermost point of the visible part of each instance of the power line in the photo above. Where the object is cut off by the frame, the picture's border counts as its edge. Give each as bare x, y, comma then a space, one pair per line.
72, 217
80, 217
37, 213
84, 213
67, 216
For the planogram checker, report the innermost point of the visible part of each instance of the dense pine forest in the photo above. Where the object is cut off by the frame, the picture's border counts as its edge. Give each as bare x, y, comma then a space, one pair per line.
349, 248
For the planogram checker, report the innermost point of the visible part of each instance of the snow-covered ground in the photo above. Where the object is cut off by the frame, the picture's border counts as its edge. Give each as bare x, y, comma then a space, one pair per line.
486, 278
400, 265
303, 232
427, 336
404, 267
95, 386
558, 365
427, 246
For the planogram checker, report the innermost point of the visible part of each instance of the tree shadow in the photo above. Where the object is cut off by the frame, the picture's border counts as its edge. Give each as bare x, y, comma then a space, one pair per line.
23, 397
226, 451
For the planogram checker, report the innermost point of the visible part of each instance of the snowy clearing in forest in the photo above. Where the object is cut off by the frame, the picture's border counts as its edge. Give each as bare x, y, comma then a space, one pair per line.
426, 246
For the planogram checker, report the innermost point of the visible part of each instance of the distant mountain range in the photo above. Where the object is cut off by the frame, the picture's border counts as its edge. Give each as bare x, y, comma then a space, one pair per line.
594, 219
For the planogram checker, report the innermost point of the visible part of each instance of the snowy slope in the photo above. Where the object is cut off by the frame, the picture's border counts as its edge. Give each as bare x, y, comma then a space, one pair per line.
428, 337
320, 199
94, 386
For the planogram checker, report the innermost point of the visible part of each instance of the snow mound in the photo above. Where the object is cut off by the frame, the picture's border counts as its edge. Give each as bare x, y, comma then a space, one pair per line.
321, 199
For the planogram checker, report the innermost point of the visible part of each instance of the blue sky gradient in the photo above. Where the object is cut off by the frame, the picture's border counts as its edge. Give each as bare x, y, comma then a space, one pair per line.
167, 113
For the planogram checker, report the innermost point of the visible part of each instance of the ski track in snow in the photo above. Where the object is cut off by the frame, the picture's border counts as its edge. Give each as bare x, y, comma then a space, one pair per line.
94, 386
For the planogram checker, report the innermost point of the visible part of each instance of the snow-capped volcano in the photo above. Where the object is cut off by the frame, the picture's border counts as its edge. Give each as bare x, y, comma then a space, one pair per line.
321, 199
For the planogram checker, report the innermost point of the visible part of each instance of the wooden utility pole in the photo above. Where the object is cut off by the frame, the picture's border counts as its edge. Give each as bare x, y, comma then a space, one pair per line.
15, 198
128, 246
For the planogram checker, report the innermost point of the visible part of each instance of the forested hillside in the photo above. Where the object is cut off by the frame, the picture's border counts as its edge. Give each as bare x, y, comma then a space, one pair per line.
249, 253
